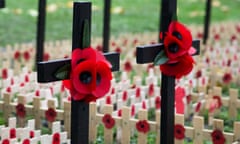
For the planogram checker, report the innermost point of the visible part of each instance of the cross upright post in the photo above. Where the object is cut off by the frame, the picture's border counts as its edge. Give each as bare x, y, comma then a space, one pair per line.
2, 3
168, 82
146, 54
40, 30
207, 20
47, 70
106, 25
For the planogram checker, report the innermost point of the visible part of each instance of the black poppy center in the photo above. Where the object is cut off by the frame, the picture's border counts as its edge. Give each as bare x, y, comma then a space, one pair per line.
177, 35
179, 131
108, 121
85, 77
173, 48
217, 137
142, 126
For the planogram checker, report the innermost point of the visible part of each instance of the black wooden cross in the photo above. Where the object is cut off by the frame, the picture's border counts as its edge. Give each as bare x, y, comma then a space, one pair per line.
106, 25
40, 30
47, 70
207, 20
2, 3
146, 54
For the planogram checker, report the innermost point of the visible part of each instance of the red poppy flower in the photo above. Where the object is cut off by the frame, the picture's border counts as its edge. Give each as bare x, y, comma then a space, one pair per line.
179, 132
144, 106
229, 62
37, 93
233, 38
17, 55
158, 102
108, 100
135, 41
12, 133
50, 114
20, 110
56, 138
26, 141
219, 101
108, 121
198, 74
26, 78
189, 98
178, 40
132, 110
4, 73
218, 137
113, 90
118, 50
151, 90
6, 141
127, 66
119, 112
198, 107
180, 68
227, 78
216, 37
90, 76
142, 126
46, 56
8, 89
124, 96
138, 92
31, 134
113, 44
26, 55
99, 48
199, 35
12, 81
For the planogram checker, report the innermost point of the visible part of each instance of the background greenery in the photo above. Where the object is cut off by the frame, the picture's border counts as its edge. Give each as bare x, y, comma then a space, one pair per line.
134, 16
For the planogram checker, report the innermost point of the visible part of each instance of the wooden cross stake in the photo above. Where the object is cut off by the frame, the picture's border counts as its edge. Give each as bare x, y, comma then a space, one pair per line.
146, 54
47, 70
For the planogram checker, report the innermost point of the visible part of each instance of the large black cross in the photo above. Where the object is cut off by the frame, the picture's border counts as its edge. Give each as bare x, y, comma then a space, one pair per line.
2, 3
106, 25
146, 54
207, 20
47, 70
40, 30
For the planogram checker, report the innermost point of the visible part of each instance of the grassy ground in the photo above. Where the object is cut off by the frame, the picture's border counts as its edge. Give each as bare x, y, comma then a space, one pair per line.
18, 23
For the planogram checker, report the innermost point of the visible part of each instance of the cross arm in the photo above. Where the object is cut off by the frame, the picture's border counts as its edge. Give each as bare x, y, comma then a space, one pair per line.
146, 54
47, 70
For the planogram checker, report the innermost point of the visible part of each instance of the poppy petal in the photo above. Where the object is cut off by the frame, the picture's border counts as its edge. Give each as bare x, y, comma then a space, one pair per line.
185, 33
84, 54
179, 69
105, 75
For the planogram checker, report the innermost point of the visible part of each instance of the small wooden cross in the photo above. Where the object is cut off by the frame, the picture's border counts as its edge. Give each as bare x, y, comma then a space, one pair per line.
40, 30
146, 54
106, 25
207, 20
2, 3
47, 70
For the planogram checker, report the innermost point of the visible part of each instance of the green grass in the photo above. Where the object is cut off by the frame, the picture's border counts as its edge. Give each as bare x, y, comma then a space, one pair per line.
138, 16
